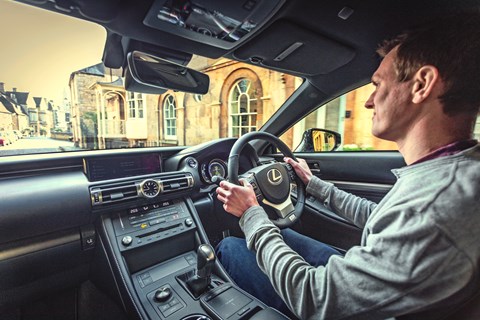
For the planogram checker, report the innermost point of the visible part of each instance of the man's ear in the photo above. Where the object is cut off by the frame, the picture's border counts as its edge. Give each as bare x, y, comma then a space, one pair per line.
424, 81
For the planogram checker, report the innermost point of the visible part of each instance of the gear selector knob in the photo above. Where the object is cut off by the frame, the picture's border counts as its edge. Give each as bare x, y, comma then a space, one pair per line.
205, 261
199, 282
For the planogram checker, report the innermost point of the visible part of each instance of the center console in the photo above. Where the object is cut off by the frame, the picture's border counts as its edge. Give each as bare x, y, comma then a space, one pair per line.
165, 268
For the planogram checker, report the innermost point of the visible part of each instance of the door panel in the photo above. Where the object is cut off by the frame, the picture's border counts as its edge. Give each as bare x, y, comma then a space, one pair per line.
365, 174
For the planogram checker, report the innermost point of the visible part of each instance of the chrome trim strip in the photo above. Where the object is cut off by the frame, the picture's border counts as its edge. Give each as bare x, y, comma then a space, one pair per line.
367, 185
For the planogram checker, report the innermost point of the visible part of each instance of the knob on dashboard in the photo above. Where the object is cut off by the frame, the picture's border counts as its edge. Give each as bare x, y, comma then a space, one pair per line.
163, 294
188, 222
127, 240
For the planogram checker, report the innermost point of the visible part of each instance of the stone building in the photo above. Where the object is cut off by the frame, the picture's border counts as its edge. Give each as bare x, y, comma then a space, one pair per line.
85, 104
13, 115
240, 99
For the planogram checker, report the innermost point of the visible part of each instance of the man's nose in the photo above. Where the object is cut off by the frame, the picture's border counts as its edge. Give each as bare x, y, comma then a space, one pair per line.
369, 103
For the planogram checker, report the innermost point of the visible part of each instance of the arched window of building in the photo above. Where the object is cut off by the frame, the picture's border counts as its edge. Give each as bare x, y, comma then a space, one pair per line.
170, 117
242, 106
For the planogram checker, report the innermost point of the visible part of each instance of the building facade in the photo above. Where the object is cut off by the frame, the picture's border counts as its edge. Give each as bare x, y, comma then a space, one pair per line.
240, 99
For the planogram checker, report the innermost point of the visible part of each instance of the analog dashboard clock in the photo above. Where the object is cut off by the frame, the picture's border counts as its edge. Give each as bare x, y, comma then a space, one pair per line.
150, 188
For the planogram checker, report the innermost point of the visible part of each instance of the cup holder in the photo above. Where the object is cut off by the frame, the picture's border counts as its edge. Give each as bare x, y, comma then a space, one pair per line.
197, 317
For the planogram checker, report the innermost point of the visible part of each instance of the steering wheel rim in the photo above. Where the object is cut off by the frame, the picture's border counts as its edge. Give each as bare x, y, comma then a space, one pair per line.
286, 216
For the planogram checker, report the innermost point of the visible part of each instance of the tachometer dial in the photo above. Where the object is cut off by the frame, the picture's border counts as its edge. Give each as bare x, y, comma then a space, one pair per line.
205, 174
150, 188
217, 168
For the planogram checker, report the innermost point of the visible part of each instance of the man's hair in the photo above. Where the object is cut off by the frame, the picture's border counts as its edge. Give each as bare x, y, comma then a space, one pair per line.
452, 45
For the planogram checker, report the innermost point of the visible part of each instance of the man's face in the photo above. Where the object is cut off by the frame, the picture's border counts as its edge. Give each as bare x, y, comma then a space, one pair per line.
393, 110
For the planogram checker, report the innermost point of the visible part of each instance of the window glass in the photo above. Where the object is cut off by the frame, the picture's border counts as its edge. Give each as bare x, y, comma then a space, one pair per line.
139, 101
131, 105
80, 104
477, 129
135, 105
348, 116
243, 108
170, 117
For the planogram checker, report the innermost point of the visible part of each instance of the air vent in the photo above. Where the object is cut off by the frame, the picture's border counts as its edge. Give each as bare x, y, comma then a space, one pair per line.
112, 193
177, 182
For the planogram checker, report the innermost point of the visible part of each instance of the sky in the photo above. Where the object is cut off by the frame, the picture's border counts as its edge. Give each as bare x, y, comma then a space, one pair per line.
39, 49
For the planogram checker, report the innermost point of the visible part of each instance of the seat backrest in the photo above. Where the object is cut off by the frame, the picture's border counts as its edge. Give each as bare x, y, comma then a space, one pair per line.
469, 310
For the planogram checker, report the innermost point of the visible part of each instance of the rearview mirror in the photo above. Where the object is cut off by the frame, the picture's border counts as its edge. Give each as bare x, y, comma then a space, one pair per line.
149, 74
318, 140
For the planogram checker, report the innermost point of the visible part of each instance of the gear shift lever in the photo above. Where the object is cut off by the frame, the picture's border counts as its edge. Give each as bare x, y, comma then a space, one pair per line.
199, 283
205, 261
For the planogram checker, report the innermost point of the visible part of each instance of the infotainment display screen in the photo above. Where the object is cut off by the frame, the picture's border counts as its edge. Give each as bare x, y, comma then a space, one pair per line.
122, 166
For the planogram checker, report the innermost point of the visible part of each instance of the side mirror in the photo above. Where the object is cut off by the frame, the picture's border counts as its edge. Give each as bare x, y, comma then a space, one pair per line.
318, 140
149, 74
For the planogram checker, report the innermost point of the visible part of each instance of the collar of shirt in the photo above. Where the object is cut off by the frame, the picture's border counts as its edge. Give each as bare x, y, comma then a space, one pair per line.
448, 150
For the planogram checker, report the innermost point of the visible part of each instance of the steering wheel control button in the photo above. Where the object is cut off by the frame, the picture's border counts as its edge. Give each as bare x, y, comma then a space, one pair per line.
127, 240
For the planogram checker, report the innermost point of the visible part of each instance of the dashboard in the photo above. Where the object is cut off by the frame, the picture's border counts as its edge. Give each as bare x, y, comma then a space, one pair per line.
139, 209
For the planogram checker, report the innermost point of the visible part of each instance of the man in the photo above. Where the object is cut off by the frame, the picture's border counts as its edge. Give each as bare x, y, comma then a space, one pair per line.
420, 246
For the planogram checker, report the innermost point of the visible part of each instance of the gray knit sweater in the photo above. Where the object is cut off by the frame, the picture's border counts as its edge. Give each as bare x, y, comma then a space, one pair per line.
420, 247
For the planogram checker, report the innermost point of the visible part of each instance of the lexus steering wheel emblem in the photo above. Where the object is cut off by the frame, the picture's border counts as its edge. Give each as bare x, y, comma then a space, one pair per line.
274, 176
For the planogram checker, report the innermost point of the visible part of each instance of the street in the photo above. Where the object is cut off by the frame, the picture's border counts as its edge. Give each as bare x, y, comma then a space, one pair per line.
36, 145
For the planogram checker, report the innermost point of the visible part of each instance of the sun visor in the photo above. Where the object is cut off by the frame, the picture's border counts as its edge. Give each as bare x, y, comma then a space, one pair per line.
286, 46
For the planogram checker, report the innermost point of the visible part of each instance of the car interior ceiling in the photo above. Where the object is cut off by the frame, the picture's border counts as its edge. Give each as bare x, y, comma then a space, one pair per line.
332, 43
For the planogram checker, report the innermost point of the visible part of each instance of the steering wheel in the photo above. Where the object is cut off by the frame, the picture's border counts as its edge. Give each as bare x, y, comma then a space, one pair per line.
272, 182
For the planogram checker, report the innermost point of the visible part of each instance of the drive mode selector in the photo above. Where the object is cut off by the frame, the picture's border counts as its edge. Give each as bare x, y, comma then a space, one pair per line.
163, 294
150, 188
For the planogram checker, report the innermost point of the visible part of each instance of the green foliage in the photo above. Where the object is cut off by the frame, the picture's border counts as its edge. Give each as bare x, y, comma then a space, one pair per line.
354, 147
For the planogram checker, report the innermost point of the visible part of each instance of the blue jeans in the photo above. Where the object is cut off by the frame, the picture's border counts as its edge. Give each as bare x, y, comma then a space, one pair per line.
241, 264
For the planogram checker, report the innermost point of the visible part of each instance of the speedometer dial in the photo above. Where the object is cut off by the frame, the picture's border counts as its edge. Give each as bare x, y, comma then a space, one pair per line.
217, 168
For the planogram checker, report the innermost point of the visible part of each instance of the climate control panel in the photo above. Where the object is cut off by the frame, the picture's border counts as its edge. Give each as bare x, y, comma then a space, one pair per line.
151, 223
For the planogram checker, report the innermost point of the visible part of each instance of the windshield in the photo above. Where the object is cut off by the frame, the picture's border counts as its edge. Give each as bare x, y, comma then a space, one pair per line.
56, 95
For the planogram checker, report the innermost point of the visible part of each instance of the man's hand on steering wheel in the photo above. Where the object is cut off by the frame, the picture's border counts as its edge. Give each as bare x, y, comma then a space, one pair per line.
301, 169
270, 183
236, 199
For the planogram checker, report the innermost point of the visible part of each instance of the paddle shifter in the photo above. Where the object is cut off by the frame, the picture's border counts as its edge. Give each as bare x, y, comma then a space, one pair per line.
205, 264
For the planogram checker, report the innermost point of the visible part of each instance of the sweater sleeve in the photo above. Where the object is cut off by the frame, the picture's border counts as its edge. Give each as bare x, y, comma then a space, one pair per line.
388, 276
354, 209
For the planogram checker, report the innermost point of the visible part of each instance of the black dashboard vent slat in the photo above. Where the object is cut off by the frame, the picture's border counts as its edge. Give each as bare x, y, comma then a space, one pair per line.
177, 182
106, 194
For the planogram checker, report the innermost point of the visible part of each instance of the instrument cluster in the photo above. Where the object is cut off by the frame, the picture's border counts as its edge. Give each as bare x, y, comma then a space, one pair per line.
214, 168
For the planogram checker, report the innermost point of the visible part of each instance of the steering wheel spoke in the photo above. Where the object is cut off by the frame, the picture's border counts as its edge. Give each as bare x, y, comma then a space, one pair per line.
250, 177
283, 209
271, 181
